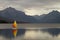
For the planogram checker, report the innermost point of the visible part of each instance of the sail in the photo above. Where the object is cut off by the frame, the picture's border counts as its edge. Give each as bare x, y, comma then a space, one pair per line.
14, 31
14, 24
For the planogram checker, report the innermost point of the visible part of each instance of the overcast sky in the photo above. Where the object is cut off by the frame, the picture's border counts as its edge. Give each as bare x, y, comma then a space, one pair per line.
32, 7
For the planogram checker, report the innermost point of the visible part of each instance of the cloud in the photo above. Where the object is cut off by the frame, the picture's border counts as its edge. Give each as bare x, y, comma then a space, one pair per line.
31, 3
46, 5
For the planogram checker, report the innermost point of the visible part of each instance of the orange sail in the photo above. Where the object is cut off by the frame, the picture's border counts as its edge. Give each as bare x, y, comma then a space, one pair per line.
14, 31
14, 24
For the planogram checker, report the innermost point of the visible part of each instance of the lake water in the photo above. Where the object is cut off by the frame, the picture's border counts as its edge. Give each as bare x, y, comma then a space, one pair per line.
31, 32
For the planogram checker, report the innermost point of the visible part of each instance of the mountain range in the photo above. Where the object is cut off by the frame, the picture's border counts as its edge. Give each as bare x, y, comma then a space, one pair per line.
52, 17
10, 14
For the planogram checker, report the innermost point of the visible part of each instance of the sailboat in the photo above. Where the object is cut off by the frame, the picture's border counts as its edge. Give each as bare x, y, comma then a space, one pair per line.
14, 31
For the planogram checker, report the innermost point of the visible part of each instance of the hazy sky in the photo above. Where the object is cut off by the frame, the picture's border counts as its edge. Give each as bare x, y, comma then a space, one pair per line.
32, 7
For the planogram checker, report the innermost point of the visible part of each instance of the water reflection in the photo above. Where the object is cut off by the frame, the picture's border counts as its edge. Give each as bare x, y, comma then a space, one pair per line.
31, 34
52, 31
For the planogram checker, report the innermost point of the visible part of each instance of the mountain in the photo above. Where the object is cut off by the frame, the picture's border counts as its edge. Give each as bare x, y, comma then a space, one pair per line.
39, 17
10, 14
52, 17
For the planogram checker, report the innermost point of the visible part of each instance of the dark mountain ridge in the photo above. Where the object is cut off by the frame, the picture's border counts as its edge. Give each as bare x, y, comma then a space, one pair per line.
52, 17
10, 14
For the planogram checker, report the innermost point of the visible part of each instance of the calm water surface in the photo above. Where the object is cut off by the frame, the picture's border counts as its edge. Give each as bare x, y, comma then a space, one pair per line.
31, 32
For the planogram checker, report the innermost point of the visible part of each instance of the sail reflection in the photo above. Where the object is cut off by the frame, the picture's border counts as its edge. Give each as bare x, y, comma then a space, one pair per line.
31, 34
